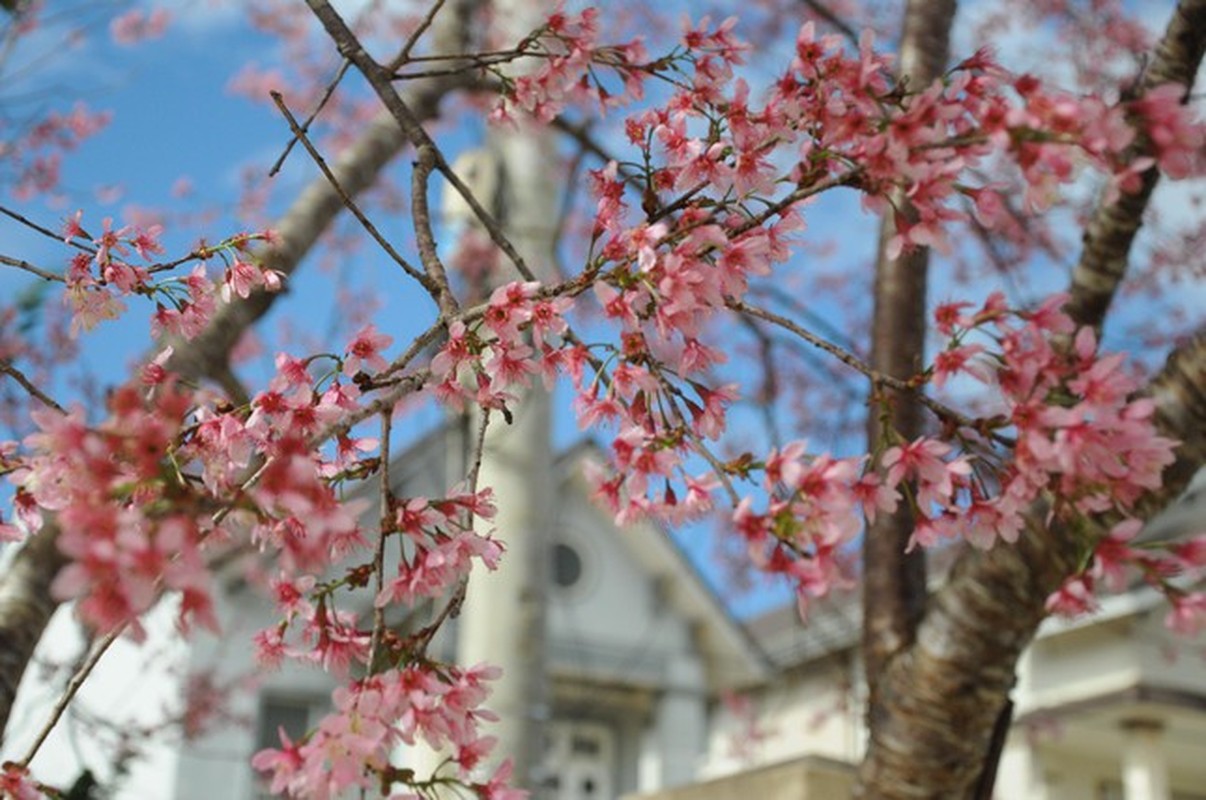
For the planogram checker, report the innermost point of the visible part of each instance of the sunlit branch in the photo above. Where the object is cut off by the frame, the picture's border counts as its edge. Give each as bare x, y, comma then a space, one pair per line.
404, 54
380, 80
72, 688
428, 252
31, 269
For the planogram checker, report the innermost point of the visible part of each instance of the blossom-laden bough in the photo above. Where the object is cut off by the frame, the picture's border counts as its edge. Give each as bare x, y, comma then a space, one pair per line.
707, 201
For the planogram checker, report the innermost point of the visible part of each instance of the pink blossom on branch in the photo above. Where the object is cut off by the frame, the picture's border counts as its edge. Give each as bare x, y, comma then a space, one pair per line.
171, 474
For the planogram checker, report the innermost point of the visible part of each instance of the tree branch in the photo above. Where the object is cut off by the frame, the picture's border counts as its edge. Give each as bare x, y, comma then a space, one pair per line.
382, 82
939, 698
1111, 232
298, 231
894, 582
26, 604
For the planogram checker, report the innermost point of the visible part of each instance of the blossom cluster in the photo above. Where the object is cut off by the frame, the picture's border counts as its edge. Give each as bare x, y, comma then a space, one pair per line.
351, 747
101, 273
129, 526
35, 156
570, 55
1168, 567
15, 782
172, 476
842, 119
517, 337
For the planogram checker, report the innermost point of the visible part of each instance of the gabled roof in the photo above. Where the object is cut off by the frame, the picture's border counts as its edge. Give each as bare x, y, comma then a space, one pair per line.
736, 657
833, 626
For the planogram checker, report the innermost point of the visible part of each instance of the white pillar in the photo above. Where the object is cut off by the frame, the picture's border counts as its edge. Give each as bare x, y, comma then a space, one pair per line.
1021, 773
680, 724
1144, 766
502, 621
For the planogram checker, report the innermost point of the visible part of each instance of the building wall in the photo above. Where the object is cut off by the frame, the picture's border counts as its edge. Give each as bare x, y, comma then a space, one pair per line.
809, 712
615, 621
137, 686
218, 765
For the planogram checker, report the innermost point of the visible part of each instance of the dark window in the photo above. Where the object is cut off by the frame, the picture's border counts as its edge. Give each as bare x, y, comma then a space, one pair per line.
584, 745
292, 714
567, 565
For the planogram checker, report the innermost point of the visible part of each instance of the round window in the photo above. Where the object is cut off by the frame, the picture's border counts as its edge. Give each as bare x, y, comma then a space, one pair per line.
567, 565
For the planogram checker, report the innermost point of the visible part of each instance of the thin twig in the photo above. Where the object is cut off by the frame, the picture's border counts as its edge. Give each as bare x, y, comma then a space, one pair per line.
769, 390
812, 318
453, 608
8, 369
850, 178
428, 253
399, 388
853, 361
346, 200
305, 126
581, 134
380, 81
30, 268
44, 230
403, 57
73, 687
384, 527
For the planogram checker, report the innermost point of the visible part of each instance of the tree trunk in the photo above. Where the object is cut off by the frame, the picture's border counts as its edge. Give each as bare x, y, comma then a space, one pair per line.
894, 584
25, 609
939, 699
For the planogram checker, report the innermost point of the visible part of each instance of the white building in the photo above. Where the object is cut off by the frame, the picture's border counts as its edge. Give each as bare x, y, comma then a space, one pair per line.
642, 658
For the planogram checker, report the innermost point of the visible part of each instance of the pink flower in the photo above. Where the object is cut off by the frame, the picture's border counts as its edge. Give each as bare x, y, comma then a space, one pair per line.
136, 25
365, 350
15, 783
1072, 599
1188, 614
284, 764
240, 279
1176, 135
497, 788
954, 360
72, 228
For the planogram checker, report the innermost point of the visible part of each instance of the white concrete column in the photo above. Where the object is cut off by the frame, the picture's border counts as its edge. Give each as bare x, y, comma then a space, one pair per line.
502, 621
681, 720
1144, 766
1021, 772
